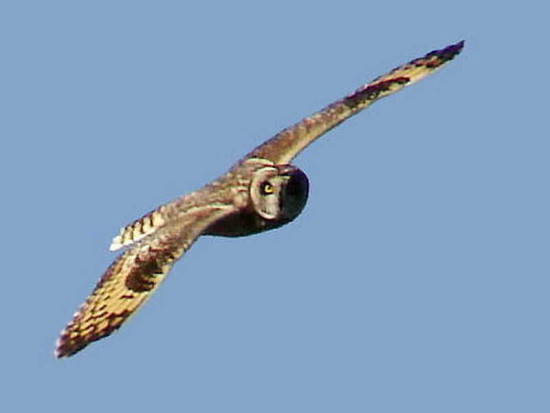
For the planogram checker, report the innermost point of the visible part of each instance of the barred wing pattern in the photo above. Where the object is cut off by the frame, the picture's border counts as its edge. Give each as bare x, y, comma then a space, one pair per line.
284, 146
132, 277
140, 228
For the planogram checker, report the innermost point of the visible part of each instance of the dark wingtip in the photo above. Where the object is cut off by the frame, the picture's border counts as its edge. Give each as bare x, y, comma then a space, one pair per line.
448, 52
66, 346
456, 48
62, 350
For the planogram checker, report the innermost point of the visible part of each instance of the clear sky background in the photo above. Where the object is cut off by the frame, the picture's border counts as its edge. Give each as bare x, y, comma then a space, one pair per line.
417, 277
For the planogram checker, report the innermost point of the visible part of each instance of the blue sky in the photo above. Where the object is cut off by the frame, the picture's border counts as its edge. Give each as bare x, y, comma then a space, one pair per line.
426, 293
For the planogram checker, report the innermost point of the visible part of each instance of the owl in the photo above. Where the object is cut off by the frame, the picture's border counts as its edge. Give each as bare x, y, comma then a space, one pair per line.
262, 191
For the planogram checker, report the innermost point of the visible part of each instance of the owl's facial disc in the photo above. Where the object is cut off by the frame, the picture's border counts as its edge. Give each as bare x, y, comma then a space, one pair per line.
280, 193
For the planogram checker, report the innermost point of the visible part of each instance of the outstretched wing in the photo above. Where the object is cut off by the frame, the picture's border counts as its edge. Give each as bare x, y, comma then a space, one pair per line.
132, 277
284, 146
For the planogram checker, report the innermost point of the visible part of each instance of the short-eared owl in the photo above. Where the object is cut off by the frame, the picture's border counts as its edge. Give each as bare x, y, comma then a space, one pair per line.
260, 192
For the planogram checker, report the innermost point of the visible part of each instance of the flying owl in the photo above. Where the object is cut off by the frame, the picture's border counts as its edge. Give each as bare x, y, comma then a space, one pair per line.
260, 192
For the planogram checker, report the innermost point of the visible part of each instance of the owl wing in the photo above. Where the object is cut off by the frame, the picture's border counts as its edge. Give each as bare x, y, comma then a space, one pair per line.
284, 146
133, 277
141, 227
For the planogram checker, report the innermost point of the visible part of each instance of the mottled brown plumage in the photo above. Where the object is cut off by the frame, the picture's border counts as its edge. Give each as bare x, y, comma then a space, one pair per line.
131, 279
260, 192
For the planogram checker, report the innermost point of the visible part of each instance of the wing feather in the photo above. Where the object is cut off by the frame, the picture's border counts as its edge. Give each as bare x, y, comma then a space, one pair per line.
140, 228
132, 278
284, 146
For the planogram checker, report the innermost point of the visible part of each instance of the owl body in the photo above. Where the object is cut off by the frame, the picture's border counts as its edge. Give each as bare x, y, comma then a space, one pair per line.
259, 193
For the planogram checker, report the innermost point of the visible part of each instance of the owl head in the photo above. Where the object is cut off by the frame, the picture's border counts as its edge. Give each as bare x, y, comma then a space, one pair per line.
279, 193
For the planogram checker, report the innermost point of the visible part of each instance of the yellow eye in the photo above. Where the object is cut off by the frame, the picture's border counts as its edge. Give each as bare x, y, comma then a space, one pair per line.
267, 188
